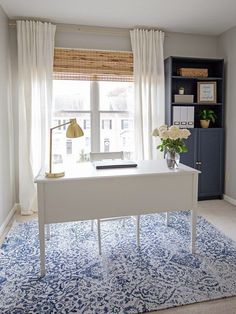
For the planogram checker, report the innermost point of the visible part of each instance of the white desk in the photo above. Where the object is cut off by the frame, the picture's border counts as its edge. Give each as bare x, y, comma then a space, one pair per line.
88, 194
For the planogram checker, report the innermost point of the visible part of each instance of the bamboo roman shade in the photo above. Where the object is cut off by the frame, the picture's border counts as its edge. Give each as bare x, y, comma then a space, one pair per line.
91, 65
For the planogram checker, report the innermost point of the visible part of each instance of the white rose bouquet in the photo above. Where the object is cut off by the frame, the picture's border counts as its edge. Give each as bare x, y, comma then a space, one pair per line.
172, 138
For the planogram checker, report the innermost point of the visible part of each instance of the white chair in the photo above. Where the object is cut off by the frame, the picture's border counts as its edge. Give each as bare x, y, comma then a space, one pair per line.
94, 156
97, 156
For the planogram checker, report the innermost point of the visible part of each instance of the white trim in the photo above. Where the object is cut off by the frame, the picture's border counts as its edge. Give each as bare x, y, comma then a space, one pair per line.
229, 199
8, 218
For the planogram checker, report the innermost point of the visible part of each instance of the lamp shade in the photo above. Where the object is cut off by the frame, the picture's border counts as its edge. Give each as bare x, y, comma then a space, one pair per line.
74, 130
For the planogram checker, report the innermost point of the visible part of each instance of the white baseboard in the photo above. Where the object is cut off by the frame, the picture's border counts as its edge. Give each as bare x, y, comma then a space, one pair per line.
8, 218
229, 199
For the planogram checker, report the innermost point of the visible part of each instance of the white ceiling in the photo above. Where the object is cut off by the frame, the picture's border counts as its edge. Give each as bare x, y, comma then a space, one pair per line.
188, 16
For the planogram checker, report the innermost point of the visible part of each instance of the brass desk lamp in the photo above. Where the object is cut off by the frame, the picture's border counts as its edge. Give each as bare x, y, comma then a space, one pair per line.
73, 131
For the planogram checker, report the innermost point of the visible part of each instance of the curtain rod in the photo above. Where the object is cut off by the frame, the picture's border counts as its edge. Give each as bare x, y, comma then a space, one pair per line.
85, 28
89, 29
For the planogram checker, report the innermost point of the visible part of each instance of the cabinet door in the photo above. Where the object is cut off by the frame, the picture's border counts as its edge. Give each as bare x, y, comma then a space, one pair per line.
190, 158
210, 156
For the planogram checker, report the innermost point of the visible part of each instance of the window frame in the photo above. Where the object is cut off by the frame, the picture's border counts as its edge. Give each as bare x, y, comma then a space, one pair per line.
95, 116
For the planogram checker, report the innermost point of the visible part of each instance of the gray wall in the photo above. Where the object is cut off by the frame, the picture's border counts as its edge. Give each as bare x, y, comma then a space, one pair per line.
176, 44
7, 180
90, 40
227, 50
190, 45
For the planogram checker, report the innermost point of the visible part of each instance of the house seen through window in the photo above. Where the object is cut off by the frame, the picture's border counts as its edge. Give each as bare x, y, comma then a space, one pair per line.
103, 109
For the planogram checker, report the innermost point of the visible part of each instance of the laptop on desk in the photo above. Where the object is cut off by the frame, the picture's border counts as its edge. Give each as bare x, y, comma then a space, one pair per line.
111, 164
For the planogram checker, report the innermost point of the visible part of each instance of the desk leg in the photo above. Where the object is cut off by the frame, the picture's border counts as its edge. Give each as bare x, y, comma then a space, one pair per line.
48, 233
167, 218
194, 213
42, 248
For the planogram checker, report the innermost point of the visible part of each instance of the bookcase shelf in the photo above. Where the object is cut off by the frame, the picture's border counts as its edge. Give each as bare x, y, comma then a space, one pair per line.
195, 104
177, 77
205, 146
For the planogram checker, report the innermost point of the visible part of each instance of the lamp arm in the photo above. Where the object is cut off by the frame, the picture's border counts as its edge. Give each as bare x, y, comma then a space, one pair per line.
58, 126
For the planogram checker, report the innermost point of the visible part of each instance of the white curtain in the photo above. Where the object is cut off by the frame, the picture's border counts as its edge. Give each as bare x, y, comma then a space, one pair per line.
147, 46
35, 41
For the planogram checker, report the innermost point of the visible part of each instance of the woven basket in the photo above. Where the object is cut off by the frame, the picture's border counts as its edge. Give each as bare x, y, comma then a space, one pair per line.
193, 72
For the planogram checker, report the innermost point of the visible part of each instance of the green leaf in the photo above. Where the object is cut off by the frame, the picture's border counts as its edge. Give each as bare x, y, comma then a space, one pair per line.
207, 114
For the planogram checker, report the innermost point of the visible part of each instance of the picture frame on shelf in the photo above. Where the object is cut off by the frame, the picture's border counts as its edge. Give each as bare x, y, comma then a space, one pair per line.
206, 92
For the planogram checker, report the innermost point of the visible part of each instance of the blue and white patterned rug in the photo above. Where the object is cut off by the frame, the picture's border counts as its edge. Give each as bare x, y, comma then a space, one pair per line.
125, 280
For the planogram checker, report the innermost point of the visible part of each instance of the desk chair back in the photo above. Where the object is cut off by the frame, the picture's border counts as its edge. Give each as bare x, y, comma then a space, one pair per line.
95, 156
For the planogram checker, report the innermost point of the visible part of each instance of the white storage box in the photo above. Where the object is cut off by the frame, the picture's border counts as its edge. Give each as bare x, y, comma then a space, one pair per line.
183, 116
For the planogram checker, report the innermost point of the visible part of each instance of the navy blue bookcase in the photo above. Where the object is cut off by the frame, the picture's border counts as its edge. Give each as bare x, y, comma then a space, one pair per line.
205, 146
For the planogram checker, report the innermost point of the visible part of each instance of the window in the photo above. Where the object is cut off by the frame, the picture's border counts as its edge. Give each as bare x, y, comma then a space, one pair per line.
59, 122
86, 124
102, 103
68, 147
106, 124
124, 141
126, 124
106, 145
87, 141
64, 126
